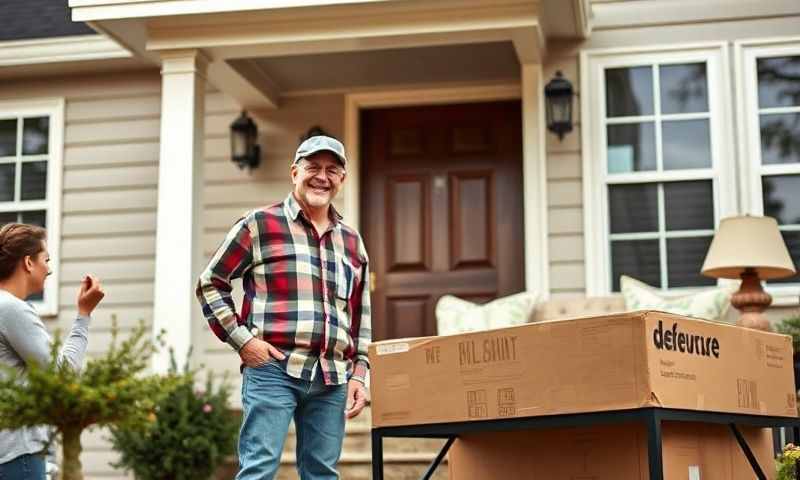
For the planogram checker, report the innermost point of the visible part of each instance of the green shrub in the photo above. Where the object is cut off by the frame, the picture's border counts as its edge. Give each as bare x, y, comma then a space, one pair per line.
111, 390
192, 431
791, 326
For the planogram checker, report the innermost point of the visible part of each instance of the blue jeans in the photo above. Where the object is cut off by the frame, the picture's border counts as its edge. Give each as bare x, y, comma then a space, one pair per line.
25, 467
270, 399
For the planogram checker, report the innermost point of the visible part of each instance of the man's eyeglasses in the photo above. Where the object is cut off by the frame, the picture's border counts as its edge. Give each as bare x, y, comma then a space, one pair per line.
330, 172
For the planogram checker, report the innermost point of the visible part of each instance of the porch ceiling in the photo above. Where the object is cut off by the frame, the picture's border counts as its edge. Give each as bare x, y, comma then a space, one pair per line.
485, 62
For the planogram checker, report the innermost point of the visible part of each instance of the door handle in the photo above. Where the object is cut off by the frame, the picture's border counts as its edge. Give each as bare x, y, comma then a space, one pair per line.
373, 282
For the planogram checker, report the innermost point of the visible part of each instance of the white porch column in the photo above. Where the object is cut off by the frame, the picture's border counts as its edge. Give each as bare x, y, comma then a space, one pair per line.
537, 268
180, 177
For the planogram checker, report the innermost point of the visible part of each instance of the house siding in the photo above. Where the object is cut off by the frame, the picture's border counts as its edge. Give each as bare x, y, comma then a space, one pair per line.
564, 193
110, 169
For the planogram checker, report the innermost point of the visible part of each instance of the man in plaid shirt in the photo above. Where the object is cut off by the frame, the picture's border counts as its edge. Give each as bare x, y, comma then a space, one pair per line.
304, 326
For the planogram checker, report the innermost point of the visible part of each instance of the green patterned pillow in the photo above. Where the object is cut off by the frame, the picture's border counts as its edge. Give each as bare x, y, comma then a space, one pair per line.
708, 304
454, 315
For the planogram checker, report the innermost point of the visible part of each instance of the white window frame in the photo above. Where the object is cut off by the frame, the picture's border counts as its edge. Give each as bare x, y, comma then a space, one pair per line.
746, 52
53, 108
593, 104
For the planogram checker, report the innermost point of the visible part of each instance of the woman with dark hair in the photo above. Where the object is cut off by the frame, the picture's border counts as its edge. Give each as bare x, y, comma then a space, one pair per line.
24, 339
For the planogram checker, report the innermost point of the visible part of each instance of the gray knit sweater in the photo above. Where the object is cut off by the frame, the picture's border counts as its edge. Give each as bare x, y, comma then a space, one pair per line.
23, 340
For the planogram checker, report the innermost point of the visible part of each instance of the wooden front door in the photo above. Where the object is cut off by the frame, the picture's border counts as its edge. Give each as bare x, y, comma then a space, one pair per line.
442, 209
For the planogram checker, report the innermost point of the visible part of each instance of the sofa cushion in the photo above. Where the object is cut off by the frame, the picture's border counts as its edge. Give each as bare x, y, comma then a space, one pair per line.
708, 303
558, 308
454, 315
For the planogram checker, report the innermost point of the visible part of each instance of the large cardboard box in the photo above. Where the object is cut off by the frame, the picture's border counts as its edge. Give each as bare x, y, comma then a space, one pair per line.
589, 364
693, 451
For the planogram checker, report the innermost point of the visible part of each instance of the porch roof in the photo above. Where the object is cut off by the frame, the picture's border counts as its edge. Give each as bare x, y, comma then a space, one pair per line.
257, 48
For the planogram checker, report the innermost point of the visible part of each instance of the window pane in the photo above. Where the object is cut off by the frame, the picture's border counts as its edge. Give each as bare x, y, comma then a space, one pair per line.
687, 144
792, 240
36, 217
633, 208
34, 181
8, 137
636, 258
7, 171
8, 217
35, 132
781, 195
631, 148
685, 257
780, 138
689, 205
629, 91
683, 88
778, 81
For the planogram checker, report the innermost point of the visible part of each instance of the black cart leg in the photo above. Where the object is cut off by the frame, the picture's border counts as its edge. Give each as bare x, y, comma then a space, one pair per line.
748, 453
654, 453
439, 458
377, 455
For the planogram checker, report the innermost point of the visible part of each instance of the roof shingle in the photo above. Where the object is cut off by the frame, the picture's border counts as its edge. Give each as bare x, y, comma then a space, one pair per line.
29, 19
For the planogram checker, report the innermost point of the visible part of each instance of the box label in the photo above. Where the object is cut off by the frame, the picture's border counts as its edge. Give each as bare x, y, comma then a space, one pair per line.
684, 342
747, 393
390, 348
490, 350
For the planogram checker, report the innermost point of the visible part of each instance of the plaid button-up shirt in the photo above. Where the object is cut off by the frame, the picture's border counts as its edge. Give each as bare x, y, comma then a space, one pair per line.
304, 293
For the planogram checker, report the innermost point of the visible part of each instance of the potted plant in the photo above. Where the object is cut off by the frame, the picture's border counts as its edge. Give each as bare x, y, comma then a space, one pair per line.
787, 462
111, 390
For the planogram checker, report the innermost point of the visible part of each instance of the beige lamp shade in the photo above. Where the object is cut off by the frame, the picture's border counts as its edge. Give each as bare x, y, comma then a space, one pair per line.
748, 242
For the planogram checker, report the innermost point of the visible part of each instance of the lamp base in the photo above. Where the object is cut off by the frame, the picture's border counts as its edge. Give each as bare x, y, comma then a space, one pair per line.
751, 300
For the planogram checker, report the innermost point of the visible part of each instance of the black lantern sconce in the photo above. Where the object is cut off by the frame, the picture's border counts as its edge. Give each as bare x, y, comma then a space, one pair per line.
245, 151
558, 95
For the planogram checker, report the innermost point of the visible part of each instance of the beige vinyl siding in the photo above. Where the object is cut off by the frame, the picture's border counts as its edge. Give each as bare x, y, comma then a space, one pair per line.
230, 192
565, 194
110, 171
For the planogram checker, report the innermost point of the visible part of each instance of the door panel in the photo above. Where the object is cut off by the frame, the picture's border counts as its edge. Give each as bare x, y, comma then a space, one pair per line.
408, 221
442, 209
471, 211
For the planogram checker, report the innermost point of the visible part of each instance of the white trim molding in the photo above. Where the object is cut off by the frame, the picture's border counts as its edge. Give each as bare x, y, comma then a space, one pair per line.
54, 109
180, 186
654, 13
60, 49
594, 146
85, 10
746, 54
534, 161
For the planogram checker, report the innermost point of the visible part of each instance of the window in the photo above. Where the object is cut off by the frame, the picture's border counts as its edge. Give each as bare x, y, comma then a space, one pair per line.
657, 176
769, 94
31, 143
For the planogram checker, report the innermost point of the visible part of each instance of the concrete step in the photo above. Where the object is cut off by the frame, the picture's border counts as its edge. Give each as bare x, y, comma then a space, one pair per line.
358, 439
396, 466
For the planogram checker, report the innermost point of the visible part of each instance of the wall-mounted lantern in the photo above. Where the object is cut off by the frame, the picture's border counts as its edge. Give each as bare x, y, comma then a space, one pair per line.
245, 151
558, 95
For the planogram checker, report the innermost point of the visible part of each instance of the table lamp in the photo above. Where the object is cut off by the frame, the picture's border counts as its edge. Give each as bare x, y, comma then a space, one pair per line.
750, 248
